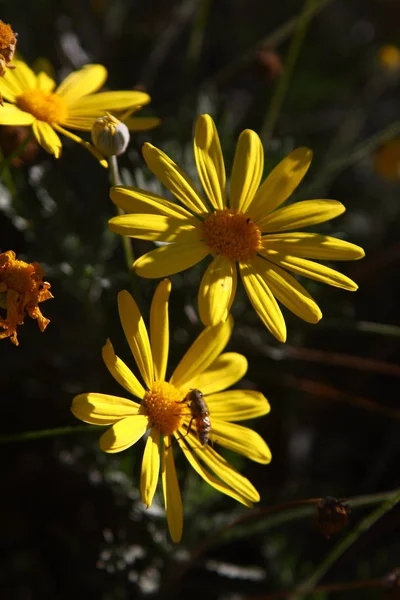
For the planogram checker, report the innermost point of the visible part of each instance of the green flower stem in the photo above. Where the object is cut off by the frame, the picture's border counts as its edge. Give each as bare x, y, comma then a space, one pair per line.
7, 161
279, 94
115, 180
46, 433
309, 584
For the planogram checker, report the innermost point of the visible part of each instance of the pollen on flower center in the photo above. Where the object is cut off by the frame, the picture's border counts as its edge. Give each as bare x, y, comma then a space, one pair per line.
164, 406
42, 105
232, 234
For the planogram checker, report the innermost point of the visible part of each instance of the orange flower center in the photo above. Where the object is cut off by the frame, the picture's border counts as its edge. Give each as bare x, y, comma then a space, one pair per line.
230, 233
164, 406
43, 105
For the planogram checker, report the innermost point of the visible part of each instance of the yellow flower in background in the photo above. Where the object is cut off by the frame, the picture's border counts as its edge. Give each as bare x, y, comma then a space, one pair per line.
387, 160
389, 58
21, 289
162, 409
248, 229
33, 100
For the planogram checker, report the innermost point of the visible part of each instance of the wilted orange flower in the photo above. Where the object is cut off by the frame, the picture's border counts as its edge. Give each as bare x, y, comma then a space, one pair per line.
21, 289
8, 41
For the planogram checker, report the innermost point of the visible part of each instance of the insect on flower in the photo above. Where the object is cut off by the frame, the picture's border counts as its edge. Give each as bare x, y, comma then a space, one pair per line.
8, 42
200, 414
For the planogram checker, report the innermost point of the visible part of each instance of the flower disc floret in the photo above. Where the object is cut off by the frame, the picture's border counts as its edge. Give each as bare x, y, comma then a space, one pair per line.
50, 108
164, 407
232, 234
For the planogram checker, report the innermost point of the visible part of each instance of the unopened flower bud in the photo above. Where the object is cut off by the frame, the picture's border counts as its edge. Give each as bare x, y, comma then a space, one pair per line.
332, 516
110, 136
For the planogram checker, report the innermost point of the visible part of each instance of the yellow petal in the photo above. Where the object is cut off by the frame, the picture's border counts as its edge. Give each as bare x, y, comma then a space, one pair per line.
23, 78
150, 467
210, 479
210, 161
225, 371
121, 372
170, 259
142, 123
96, 104
223, 470
237, 405
159, 329
9, 87
202, 353
79, 123
280, 183
247, 170
47, 138
217, 291
156, 227
313, 270
45, 83
136, 335
263, 300
288, 291
77, 84
312, 245
172, 494
124, 433
134, 200
11, 115
174, 178
103, 409
301, 214
241, 440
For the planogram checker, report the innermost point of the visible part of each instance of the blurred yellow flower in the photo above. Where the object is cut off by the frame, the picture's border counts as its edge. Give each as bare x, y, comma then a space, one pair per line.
21, 289
163, 411
389, 57
387, 160
34, 101
246, 229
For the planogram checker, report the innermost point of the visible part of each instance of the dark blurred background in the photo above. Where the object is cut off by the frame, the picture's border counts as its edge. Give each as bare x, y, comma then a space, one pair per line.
72, 523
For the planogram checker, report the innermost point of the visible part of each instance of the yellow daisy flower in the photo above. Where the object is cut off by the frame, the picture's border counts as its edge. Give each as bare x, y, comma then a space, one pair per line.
163, 410
246, 229
33, 100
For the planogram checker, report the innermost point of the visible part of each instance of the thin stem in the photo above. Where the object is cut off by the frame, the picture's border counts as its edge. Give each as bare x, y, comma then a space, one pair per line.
361, 150
115, 180
309, 584
290, 511
327, 587
281, 88
271, 40
7, 161
46, 433
83, 143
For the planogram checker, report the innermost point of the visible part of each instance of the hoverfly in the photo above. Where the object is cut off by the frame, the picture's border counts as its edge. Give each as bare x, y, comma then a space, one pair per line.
199, 414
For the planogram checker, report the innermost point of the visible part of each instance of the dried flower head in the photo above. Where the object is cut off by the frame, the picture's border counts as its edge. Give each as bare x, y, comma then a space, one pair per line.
332, 516
8, 42
21, 289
